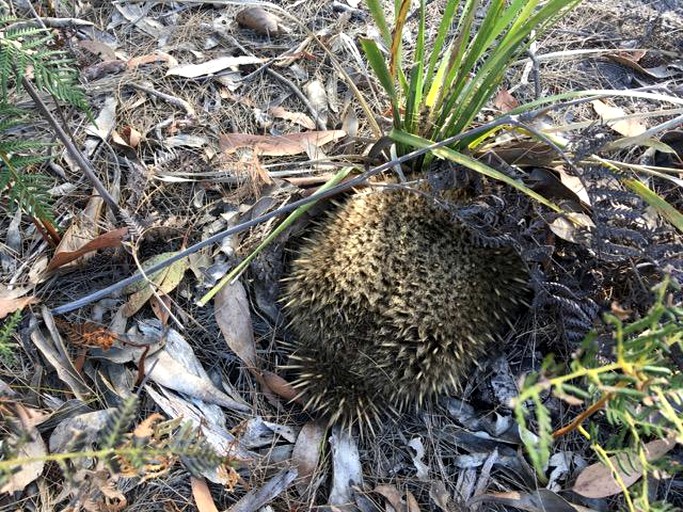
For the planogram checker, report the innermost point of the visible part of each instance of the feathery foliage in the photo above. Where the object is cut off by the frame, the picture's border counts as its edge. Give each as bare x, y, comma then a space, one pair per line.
639, 388
26, 53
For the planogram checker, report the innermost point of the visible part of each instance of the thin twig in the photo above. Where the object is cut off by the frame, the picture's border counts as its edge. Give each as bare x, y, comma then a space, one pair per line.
73, 151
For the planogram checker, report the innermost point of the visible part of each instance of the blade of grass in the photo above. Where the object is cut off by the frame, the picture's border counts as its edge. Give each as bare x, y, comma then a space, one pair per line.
395, 54
377, 12
415, 90
235, 272
667, 211
442, 32
471, 163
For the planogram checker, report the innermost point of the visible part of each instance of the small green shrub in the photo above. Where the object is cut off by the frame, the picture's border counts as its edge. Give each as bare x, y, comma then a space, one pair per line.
640, 390
26, 52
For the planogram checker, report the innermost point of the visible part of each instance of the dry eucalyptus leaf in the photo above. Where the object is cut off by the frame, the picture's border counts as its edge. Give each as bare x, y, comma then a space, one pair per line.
504, 101
234, 320
392, 495
571, 224
596, 481
346, 467
280, 386
350, 122
9, 306
211, 67
541, 500
56, 354
202, 495
257, 498
165, 281
306, 454
296, 117
32, 447
281, 145
317, 96
260, 21
74, 246
621, 124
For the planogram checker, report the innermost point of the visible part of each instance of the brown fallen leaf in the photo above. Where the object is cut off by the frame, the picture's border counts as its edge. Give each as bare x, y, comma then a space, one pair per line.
8, 306
541, 500
151, 59
505, 101
306, 454
622, 125
392, 495
104, 241
202, 495
260, 21
234, 320
296, 117
282, 145
597, 481
280, 387
161, 311
32, 447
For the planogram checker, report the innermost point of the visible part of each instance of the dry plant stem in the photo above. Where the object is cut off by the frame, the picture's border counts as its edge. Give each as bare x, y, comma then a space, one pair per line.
73, 151
359, 180
319, 123
189, 110
576, 422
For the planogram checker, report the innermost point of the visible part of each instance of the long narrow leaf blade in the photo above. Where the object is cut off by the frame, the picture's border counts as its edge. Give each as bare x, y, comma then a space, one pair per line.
657, 202
377, 12
379, 66
471, 163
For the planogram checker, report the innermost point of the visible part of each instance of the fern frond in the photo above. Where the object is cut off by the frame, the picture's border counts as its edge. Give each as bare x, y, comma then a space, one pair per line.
118, 423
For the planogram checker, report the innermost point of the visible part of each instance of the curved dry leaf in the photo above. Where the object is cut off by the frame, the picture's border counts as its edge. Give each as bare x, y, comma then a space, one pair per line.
8, 306
596, 481
163, 369
280, 386
346, 467
618, 120
306, 454
259, 20
317, 96
211, 67
54, 351
257, 498
165, 280
202, 495
296, 117
34, 448
392, 495
541, 500
234, 320
281, 145
71, 240
572, 226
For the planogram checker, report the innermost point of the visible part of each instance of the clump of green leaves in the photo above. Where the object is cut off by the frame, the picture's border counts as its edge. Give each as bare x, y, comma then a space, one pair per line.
445, 86
640, 389
27, 55
6, 330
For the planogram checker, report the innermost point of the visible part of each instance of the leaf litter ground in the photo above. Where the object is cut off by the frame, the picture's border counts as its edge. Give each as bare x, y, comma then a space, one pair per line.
189, 102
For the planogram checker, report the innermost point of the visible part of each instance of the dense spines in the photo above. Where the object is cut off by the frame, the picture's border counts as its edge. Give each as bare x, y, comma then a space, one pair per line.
391, 302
